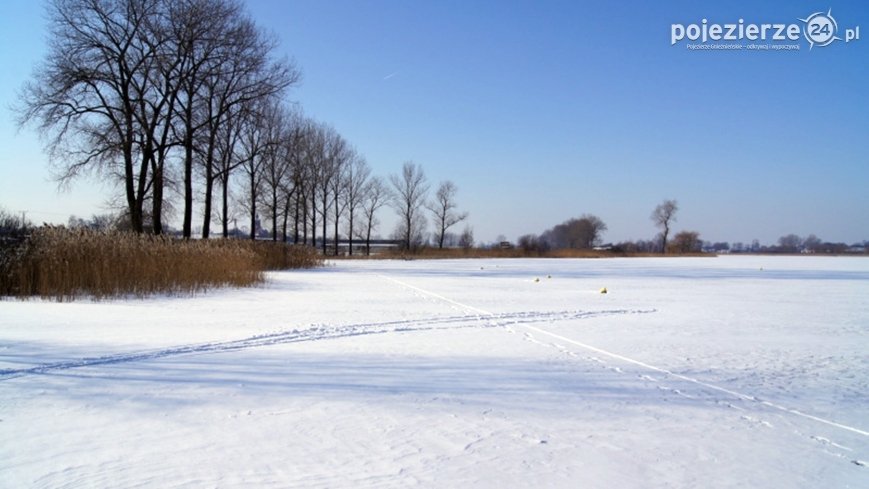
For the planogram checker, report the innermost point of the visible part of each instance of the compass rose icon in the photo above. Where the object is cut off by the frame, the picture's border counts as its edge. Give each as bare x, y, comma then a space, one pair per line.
820, 29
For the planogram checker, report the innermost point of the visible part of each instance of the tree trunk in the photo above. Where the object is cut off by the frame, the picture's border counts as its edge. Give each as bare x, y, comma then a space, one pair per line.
274, 215
296, 222
664, 244
409, 235
225, 206
350, 235
188, 176
209, 189
157, 185
368, 241
313, 220
252, 206
209, 186
325, 212
305, 222
140, 197
129, 178
157, 204
337, 216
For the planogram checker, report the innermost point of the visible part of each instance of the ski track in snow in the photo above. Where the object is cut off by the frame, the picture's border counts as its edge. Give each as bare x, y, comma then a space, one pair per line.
749, 399
323, 332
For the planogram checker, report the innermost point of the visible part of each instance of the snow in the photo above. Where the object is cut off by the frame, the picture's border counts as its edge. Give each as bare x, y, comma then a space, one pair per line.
690, 372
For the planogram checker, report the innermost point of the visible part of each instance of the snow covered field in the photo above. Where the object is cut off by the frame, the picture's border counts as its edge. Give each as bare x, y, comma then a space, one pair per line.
690, 372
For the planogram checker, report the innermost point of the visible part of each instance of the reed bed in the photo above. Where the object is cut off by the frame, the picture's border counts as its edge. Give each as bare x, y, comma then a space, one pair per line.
62, 264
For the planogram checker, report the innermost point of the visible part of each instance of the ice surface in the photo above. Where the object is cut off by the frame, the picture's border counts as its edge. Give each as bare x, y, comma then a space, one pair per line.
690, 372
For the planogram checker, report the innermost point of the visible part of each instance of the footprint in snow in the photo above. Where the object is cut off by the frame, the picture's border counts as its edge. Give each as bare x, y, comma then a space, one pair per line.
757, 421
827, 441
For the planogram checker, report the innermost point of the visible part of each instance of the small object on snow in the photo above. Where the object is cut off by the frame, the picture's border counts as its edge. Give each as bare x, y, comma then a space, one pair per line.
761, 269
536, 279
603, 290
549, 276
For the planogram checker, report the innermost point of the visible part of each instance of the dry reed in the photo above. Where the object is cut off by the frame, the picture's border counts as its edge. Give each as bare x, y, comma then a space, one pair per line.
64, 264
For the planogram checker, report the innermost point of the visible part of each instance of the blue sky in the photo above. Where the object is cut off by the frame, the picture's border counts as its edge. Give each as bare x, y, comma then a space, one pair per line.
541, 111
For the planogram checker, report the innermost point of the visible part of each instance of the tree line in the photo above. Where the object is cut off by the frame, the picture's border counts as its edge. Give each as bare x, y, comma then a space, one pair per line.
148, 92
159, 95
586, 232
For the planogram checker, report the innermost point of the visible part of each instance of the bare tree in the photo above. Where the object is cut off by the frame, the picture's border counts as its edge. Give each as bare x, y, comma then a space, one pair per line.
83, 94
329, 167
293, 184
220, 49
126, 82
357, 176
466, 239
315, 154
590, 230
663, 216
342, 159
376, 195
276, 166
409, 195
582, 233
812, 243
261, 132
227, 158
240, 73
305, 175
443, 210
790, 243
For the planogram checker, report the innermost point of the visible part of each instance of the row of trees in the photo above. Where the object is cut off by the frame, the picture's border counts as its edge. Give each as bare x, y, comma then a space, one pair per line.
793, 243
159, 95
151, 92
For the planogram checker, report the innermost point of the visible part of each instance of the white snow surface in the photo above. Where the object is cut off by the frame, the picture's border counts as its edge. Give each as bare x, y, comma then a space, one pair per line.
689, 372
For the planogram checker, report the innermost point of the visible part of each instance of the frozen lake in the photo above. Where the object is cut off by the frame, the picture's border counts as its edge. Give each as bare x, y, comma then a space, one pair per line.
689, 372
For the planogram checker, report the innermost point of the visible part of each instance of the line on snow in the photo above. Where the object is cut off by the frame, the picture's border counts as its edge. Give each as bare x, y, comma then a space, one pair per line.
639, 363
319, 332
